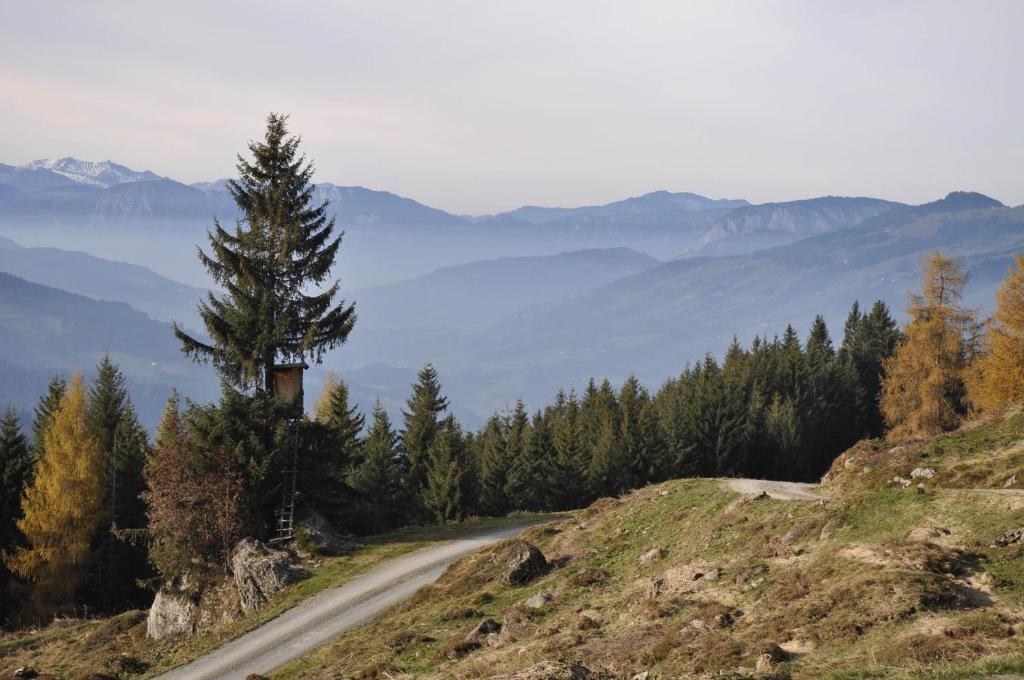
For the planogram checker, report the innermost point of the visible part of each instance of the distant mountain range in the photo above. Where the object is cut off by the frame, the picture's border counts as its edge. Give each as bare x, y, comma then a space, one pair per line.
70, 203
508, 305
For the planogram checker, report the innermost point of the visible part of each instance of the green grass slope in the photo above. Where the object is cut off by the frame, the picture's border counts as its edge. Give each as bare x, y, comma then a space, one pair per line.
688, 579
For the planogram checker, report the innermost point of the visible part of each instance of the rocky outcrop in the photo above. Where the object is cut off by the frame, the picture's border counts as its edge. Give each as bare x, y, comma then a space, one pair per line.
172, 613
260, 572
181, 608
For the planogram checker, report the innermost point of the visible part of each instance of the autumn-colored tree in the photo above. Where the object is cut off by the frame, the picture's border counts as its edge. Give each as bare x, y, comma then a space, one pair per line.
997, 377
923, 389
194, 501
63, 507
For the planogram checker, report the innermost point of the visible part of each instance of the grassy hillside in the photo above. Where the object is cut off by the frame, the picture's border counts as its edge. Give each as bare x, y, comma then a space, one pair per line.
688, 578
883, 578
118, 646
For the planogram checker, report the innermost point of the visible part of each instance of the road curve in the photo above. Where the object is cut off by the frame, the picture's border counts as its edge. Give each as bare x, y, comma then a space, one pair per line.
783, 491
331, 612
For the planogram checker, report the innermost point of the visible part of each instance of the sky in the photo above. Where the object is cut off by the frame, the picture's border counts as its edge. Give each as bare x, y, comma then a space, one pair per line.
478, 106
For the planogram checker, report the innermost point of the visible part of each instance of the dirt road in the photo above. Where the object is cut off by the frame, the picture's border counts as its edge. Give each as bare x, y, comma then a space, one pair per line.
330, 613
783, 491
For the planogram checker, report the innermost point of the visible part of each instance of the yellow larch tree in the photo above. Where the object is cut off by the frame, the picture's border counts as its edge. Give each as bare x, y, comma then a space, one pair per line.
63, 508
923, 389
997, 377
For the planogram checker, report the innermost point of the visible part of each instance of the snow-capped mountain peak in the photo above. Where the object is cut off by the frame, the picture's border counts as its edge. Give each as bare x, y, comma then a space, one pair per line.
101, 173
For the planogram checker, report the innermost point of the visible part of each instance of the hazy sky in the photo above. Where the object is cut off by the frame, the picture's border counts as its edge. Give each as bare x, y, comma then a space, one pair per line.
476, 106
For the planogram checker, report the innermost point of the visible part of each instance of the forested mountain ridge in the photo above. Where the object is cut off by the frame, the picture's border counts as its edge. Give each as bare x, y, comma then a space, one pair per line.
653, 323
478, 294
77, 272
45, 330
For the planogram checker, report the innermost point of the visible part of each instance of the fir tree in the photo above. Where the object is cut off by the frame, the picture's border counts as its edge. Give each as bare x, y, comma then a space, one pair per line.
423, 410
344, 423
63, 508
282, 248
516, 455
997, 378
570, 464
493, 463
45, 409
15, 473
377, 477
444, 492
111, 419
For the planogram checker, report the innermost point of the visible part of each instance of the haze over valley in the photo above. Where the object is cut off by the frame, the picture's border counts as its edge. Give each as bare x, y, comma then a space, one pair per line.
506, 306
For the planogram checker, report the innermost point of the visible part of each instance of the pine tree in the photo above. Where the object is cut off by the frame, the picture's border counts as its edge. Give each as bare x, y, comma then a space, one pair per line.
63, 508
570, 464
344, 423
282, 248
377, 477
444, 492
423, 410
111, 419
493, 463
528, 450
923, 389
868, 340
516, 455
15, 473
48, 404
998, 376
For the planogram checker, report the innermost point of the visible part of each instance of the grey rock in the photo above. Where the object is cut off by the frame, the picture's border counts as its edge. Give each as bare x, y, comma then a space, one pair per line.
260, 572
172, 613
526, 564
922, 473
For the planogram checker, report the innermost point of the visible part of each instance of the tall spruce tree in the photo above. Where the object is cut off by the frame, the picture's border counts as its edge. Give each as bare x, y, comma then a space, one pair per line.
377, 477
111, 419
492, 464
445, 485
570, 464
422, 421
282, 248
15, 473
344, 423
47, 405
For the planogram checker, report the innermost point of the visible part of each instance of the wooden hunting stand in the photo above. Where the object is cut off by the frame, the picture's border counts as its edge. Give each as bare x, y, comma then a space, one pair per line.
288, 391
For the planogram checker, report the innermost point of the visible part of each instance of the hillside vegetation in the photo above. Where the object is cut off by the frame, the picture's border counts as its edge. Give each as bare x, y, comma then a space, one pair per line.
918, 578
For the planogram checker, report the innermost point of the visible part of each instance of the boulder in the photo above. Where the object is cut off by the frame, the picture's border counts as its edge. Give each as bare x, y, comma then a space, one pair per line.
260, 572
922, 473
318, 536
527, 563
651, 556
172, 613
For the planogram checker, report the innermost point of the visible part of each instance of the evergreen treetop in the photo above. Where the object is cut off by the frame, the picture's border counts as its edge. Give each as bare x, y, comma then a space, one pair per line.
278, 254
